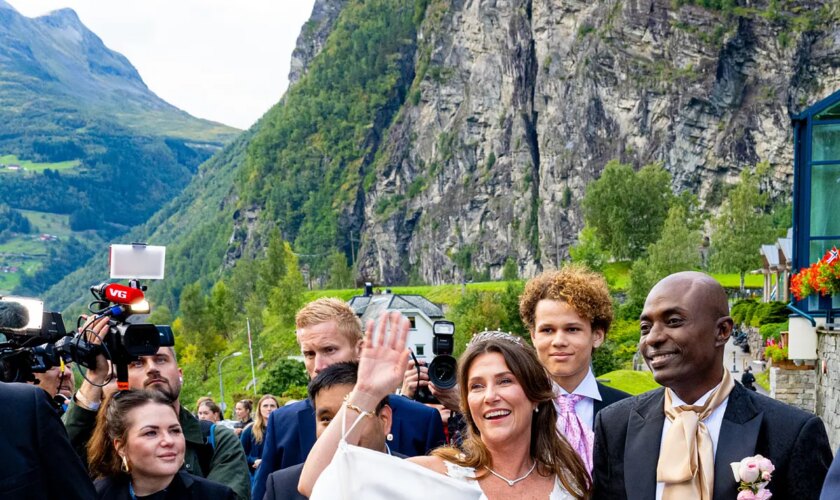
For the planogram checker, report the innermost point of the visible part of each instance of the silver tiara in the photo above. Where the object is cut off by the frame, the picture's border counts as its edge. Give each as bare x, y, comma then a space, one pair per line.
494, 335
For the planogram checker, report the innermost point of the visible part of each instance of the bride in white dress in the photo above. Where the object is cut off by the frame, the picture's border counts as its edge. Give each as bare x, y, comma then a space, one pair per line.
511, 449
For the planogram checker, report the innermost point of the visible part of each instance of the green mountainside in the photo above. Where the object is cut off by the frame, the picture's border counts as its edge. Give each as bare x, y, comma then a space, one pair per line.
83, 143
431, 141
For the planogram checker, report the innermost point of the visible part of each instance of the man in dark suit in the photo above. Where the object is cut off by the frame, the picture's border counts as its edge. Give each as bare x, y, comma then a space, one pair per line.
37, 460
831, 488
568, 313
684, 327
327, 391
329, 332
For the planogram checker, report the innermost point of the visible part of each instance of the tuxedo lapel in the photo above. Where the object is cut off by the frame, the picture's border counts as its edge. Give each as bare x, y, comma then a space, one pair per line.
641, 454
737, 440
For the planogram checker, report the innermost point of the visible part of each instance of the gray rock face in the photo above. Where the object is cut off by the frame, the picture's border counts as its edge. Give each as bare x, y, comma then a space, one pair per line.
313, 35
523, 102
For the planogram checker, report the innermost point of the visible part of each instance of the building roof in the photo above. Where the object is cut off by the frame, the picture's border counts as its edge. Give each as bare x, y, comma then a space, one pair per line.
771, 255
369, 307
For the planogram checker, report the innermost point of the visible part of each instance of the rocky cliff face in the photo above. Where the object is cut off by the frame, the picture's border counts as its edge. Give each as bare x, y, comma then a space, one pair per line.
519, 104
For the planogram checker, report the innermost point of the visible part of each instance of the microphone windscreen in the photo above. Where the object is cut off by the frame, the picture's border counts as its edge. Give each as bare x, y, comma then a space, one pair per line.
13, 315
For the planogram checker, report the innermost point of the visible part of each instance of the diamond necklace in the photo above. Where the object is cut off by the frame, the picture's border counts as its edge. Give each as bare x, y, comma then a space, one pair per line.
511, 482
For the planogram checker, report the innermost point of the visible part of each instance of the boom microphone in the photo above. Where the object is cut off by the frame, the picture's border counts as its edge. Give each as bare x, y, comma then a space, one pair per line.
13, 316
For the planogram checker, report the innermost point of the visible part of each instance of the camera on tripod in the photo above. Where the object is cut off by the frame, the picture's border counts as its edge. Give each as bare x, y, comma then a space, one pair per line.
443, 370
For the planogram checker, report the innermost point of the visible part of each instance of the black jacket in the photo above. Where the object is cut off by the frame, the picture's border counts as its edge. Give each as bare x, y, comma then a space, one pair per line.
628, 436
184, 486
36, 458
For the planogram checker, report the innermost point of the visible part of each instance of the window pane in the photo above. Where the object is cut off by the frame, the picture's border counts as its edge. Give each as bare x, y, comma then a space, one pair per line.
825, 200
820, 247
825, 143
831, 113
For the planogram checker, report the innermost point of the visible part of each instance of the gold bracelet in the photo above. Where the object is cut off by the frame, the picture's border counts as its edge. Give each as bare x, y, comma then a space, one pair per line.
355, 408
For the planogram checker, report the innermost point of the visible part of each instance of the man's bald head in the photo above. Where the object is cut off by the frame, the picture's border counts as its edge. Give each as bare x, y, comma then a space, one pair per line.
699, 286
685, 325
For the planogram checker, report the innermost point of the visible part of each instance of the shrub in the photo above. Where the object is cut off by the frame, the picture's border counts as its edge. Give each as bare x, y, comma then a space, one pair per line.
776, 353
741, 309
773, 330
769, 312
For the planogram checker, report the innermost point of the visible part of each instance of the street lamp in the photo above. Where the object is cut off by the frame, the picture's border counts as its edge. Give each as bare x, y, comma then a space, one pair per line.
221, 384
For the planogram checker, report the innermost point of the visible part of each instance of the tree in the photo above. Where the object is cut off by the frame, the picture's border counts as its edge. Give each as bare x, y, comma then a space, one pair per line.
678, 249
588, 250
627, 208
510, 272
742, 226
341, 276
287, 373
201, 340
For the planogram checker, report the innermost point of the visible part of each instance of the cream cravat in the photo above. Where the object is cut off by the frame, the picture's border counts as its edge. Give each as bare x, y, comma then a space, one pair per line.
687, 459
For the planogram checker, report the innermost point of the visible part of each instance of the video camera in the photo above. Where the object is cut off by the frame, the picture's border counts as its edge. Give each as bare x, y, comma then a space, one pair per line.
443, 370
29, 334
125, 341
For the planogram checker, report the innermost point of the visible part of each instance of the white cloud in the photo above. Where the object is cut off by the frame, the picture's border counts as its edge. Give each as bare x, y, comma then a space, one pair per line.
216, 59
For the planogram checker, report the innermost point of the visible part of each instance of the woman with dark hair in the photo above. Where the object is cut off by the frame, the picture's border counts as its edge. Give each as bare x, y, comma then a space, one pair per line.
137, 451
512, 448
253, 435
242, 414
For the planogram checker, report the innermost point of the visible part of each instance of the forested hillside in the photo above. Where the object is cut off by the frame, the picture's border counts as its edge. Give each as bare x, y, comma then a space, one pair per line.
87, 151
433, 141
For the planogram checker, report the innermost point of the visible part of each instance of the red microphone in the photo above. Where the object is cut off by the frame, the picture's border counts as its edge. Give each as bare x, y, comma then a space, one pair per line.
119, 294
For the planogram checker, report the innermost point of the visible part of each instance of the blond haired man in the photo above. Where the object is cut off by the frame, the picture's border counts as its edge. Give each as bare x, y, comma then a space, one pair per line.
329, 332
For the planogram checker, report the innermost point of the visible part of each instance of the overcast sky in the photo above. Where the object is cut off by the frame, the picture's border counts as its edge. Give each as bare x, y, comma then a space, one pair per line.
222, 60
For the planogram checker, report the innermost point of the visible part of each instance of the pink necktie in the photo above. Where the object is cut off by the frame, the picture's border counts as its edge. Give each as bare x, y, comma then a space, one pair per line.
577, 433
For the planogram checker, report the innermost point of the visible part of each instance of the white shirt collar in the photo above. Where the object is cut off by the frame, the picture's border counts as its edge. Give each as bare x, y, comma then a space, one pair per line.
588, 387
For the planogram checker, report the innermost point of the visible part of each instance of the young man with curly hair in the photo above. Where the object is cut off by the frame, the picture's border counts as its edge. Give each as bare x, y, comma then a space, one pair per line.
568, 313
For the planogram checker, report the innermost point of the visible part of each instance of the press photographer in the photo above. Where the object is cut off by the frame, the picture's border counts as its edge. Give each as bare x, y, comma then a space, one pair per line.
221, 460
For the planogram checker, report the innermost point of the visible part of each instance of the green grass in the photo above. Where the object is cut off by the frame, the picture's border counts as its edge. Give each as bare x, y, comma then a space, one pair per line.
618, 275
31, 166
629, 381
8, 281
763, 379
441, 294
27, 244
49, 223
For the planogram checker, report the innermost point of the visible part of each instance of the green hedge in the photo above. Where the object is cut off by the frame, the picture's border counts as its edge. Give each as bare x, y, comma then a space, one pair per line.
773, 330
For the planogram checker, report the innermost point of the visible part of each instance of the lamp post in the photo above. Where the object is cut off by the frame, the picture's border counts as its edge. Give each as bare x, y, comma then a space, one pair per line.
221, 384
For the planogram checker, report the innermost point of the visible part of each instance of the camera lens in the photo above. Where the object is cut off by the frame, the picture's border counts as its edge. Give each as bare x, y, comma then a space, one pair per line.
443, 372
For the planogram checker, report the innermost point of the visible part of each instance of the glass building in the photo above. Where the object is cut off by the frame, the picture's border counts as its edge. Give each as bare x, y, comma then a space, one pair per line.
816, 191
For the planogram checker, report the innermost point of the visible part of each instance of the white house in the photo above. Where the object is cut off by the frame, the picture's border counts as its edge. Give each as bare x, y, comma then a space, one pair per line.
420, 311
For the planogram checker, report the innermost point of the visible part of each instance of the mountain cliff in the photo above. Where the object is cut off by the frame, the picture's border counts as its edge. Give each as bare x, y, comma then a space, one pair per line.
86, 143
430, 140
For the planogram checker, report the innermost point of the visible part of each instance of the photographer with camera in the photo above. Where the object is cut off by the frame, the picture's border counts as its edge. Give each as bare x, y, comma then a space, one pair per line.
220, 459
438, 388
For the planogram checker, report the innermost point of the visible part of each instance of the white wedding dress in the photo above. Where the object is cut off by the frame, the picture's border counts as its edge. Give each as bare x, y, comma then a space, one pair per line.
467, 474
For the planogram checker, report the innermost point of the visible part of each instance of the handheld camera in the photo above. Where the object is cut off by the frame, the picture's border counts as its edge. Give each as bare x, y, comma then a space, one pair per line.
443, 370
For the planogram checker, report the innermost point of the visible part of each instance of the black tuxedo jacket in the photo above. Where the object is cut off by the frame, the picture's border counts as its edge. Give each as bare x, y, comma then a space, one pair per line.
36, 458
608, 397
628, 435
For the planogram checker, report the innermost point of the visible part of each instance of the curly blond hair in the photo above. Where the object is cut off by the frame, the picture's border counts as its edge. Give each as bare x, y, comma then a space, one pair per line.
584, 290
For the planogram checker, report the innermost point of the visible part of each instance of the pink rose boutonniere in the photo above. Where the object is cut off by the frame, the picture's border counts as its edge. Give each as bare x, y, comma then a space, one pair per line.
754, 473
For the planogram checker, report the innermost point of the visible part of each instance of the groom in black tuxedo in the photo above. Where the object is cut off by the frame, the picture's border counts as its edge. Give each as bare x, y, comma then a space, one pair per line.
685, 325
